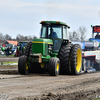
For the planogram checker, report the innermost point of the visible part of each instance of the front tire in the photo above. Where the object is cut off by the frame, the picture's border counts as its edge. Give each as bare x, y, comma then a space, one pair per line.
54, 66
23, 65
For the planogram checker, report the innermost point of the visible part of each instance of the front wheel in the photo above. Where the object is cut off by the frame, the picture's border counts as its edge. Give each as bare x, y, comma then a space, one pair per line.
23, 65
54, 66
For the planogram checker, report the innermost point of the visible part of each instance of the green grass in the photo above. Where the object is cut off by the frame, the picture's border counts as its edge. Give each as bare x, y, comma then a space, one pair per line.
11, 56
6, 56
7, 65
9, 62
96, 99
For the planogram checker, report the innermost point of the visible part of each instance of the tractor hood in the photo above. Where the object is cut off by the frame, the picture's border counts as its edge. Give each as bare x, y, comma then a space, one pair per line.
41, 46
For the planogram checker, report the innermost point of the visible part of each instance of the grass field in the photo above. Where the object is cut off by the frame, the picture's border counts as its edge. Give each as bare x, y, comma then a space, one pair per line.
9, 63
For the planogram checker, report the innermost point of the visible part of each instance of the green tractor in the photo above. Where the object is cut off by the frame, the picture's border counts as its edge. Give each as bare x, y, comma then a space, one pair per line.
52, 52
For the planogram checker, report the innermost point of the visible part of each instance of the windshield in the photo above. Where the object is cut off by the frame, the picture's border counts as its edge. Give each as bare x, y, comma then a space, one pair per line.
51, 31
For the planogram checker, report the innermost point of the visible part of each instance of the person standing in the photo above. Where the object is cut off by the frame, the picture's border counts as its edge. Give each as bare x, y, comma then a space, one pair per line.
97, 36
8, 51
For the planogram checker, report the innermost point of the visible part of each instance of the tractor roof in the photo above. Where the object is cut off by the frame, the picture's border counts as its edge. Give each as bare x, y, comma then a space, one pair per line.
53, 22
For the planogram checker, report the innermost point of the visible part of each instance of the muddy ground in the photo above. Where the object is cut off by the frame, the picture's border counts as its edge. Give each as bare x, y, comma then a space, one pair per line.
44, 87
8, 59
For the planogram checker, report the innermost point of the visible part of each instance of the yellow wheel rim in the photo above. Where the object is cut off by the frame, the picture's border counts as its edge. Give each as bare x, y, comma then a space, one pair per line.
42, 65
26, 65
57, 68
79, 60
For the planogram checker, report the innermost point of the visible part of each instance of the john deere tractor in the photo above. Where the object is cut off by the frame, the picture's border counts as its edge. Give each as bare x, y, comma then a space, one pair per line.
52, 52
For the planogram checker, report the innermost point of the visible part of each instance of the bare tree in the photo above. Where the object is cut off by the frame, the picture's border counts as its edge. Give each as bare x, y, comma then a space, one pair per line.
18, 38
79, 35
24, 38
30, 38
7, 37
73, 36
82, 30
34, 37
2, 38
70, 36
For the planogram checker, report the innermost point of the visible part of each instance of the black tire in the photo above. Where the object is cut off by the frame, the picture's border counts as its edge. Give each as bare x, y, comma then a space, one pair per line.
22, 65
28, 48
64, 56
76, 59
54, 66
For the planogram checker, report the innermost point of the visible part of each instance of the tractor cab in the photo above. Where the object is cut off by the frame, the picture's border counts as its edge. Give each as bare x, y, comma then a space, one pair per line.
53, 29
57, 31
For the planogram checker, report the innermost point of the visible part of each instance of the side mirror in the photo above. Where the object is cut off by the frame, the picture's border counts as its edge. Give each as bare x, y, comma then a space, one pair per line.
68, 27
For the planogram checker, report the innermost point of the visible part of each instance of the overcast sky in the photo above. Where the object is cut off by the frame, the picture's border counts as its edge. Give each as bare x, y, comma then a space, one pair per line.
23, 16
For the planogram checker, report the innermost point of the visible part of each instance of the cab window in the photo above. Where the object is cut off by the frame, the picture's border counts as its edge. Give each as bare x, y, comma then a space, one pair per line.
55, 31
64, 32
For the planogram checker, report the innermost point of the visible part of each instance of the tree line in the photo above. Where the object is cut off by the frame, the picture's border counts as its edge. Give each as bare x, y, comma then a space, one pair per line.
79, 35
19, 37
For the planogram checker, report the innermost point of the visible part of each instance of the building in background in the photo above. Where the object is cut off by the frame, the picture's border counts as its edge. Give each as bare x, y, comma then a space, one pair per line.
10, 42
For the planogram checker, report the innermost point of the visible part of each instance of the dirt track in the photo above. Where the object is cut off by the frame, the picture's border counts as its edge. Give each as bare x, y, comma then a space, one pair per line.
45, 87
8, 59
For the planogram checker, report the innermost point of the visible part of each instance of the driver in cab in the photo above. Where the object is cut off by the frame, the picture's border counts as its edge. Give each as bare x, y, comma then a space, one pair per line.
53, 34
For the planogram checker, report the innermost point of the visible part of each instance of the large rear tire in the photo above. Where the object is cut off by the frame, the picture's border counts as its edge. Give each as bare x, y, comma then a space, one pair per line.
54, 66
23, 65
64, 56
76, 59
